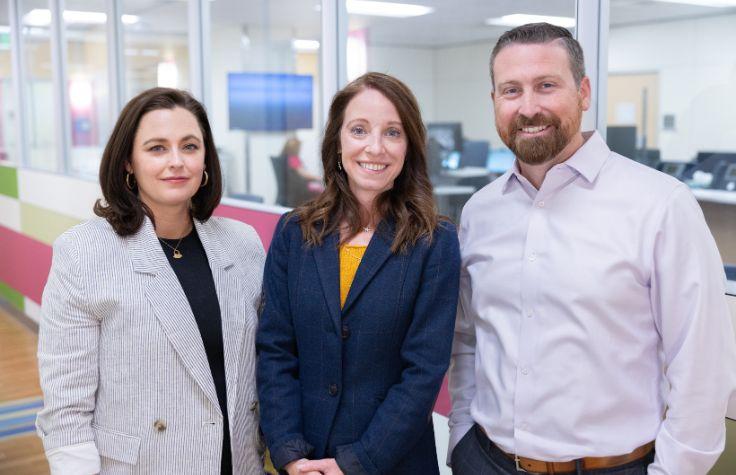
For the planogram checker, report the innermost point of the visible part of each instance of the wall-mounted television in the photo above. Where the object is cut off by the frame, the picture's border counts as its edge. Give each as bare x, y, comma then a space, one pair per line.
269, 101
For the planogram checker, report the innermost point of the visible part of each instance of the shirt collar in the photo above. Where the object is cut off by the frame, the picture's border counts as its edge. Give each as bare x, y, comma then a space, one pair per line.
587, 161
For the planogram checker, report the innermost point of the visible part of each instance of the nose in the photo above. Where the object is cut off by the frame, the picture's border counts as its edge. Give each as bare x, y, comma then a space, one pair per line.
375, 143
529, 105
175, 159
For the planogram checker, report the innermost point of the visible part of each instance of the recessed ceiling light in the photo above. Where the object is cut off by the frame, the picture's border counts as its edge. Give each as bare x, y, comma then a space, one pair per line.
518, 19
389, 9
704, 3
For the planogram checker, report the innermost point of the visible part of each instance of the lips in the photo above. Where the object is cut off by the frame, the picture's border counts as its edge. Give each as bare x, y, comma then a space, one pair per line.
176, 179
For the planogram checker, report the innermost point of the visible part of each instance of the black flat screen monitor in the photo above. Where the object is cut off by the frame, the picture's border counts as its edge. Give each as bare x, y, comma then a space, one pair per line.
449, 135
622, 139
475, 153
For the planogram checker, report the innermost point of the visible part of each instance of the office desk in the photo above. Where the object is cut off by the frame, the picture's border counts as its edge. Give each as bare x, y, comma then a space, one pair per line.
451, 199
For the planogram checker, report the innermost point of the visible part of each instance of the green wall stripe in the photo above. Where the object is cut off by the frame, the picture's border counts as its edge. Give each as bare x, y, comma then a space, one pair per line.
42, 224
9, 181
13, 296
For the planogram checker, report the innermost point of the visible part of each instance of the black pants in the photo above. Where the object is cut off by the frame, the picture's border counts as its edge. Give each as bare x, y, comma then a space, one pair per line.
475, 454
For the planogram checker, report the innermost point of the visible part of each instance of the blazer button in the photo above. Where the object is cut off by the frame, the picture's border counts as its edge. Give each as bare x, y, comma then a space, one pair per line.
159, 425
345, 332
333, 389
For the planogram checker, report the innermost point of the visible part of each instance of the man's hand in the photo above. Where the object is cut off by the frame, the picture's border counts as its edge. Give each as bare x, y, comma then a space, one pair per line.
295, 468
323, 466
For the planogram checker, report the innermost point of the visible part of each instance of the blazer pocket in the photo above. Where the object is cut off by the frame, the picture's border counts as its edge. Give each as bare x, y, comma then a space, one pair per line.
116, 445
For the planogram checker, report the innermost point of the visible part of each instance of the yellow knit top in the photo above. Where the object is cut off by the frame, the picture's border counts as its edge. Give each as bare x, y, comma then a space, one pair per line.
350, 257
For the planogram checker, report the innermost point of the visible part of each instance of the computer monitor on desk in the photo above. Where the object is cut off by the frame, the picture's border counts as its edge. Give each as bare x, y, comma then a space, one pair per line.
475, 153
449, 135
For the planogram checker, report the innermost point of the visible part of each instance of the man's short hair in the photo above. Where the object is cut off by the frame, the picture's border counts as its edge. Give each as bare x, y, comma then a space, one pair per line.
540, 33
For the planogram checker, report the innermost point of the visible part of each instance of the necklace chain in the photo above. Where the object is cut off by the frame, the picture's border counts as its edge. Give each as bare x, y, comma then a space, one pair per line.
177, 252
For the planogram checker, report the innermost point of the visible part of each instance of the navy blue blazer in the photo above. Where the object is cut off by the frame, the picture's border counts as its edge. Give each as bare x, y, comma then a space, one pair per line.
357, 383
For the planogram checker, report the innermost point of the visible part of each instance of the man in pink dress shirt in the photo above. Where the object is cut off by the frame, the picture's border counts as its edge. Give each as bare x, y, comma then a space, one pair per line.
593, 333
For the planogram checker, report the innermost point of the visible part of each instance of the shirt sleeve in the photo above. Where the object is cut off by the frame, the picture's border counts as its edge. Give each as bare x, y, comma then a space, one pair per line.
692, 317
462, 365
79, 459
67, 353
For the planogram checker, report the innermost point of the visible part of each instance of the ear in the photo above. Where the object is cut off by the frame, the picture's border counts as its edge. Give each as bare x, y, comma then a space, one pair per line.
128, 167
584, 93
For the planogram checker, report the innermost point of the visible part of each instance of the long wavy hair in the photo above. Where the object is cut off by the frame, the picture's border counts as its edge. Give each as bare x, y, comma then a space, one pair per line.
409, 203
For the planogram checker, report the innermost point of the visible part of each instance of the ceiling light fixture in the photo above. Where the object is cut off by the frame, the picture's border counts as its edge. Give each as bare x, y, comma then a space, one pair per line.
388, 9
42, 17
518, 19
704, 3
305, 45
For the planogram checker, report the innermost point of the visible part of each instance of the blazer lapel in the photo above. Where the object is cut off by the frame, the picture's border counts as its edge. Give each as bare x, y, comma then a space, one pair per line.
379, 249
328, 268
171, 306
233, 317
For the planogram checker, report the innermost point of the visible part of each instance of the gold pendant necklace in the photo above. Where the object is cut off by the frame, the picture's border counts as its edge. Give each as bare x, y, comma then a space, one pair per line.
177, 252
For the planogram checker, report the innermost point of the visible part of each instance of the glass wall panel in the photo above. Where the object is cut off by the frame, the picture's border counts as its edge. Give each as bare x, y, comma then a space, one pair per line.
38, 84
265, 109
672, 101
441, 51
8, 125
156, 50
85, 22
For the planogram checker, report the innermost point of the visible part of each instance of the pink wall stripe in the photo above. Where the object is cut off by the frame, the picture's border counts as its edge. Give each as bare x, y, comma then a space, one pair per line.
25, 263
264, 223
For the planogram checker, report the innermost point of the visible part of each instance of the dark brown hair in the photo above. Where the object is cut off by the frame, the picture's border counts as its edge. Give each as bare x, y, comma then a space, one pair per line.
122, 207
409, 203
540, 33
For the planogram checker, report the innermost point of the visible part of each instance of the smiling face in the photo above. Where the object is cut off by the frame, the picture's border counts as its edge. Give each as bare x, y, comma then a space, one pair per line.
373, 144
167, 158
538, 106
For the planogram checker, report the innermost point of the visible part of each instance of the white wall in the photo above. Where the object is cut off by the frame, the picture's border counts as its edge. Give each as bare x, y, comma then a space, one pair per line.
413, 66
463, 90
696, 64
451, 84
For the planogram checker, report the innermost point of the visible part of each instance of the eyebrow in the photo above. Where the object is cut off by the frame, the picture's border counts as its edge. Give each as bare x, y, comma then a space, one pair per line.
159, 139
536, 79
393, 122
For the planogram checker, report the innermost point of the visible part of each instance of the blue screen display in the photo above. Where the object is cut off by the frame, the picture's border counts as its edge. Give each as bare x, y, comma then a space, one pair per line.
269, 101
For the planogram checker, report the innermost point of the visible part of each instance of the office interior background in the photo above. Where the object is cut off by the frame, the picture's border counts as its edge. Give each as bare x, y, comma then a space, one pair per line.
664, 93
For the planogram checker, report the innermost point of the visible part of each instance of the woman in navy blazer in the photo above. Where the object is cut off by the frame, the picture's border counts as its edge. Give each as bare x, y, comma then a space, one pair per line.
347, 378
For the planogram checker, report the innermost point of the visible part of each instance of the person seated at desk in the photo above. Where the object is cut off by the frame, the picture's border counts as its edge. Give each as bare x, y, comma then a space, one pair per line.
301, 184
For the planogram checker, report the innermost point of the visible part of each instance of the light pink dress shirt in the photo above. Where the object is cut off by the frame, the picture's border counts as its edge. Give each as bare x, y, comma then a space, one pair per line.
593, 317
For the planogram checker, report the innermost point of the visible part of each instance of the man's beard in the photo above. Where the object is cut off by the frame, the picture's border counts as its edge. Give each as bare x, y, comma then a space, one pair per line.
537, 150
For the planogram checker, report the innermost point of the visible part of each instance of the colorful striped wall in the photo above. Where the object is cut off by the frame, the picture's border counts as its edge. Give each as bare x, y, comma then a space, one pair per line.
36, 207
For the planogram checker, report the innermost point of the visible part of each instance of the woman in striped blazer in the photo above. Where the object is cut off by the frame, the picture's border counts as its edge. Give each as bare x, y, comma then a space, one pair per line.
146, 344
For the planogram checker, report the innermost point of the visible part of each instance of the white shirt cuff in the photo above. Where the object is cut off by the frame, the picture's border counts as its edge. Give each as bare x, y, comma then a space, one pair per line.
78, 459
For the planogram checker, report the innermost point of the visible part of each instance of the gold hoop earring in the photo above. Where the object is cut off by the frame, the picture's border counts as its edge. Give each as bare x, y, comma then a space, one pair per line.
206, 180
127, 181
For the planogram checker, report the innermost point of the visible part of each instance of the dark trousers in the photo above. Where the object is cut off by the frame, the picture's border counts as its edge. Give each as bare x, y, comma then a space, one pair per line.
475, 454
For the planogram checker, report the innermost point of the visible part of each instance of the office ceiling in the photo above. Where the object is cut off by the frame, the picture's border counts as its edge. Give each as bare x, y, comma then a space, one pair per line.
448, 25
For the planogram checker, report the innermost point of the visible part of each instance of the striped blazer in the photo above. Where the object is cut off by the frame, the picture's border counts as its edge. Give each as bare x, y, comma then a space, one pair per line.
121, 359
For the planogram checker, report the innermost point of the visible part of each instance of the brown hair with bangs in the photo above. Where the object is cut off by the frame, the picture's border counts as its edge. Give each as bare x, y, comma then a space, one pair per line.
121, 206
409, 202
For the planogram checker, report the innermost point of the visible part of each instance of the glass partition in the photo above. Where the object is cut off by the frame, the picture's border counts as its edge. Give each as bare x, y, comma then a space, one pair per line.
441, 50
671, 101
